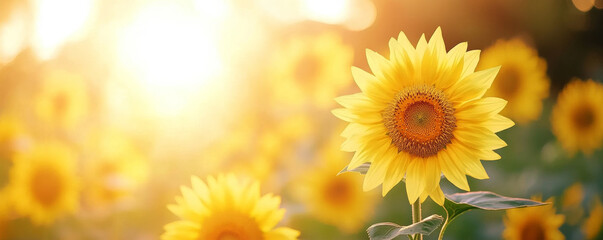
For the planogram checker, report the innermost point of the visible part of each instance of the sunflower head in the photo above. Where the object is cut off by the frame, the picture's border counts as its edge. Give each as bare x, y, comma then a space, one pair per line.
577, 119
311, 69
43, 183
420, 114
329, 196
533, 223
592, 225
62, 99
225, 207
522, 79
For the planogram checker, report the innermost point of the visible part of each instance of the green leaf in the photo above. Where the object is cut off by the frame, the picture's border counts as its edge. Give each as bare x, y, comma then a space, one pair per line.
458, 203
362, 169
388, 231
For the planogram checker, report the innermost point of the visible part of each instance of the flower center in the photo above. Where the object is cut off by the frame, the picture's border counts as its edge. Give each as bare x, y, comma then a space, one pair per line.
307, 70
533, 231
46, 186
507, 82
420, 120
584, 118
338, 191
60, 103
230, 225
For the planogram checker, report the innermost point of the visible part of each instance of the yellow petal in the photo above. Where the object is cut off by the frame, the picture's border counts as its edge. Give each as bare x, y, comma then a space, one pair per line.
281, 233
437, 196
369, 85
415, 184
452, 172
396, 170
478, 137
475, 169
480, 109
498, 123
473, 86
470, 62
376, 173
349, 116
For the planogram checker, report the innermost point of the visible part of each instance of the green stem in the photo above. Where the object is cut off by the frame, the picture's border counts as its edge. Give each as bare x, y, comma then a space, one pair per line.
416, 216
441, 236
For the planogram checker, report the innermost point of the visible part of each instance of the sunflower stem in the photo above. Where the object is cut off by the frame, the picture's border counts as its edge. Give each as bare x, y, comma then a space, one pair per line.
416, 216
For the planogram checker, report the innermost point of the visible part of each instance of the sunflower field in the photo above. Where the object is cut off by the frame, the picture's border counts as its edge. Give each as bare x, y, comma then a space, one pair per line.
301, 119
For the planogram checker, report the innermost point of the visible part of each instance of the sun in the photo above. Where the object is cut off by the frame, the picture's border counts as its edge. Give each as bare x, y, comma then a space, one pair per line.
420, 114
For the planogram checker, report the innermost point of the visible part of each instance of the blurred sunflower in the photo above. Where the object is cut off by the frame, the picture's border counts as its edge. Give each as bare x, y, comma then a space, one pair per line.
43, 183
577, 119
62, 99
571, 203
311, 69
329, 196
421, 114
115, 171
522, 78
592, 225
226, 208
533, 223
12, 137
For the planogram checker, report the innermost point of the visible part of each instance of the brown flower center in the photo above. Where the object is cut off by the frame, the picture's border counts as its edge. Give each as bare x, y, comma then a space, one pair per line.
420, 120
60, 103
338, 191
507, 82
230, 226
533, 231
306, 71
584, 117
46, 186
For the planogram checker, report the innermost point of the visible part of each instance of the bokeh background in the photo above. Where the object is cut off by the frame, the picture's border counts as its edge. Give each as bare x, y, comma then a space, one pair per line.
144, 94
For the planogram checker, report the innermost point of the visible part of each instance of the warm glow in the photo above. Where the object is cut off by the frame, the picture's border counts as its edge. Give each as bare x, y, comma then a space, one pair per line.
362, 15
332, 11
584, 5
12, 37
58, 21
172, 52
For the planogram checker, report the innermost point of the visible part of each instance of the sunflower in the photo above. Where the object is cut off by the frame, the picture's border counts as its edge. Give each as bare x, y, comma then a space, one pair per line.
592, 225
114, 171
62, 99
311, 69
571, 203
533, 223
226, 208
43, 183
577, 120
522, 78
421, 114
328, 196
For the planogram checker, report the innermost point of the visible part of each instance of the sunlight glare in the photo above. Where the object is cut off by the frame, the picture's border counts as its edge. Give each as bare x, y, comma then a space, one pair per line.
173, 53
58, 21
332, 11
12, 37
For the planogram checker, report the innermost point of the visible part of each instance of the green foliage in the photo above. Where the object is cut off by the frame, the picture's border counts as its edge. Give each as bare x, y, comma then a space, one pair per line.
388, 231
